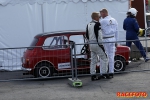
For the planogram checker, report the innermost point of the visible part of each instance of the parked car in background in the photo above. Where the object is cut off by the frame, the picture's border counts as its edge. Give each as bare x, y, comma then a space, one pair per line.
50, 54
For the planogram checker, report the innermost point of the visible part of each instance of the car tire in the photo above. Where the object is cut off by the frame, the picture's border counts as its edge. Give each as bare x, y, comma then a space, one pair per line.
120, 64
43, 70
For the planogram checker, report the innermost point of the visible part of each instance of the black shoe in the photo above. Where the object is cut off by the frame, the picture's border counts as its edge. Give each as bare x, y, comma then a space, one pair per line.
105, 76
102, 76
112, 75
109, 76
94, 77
147, 59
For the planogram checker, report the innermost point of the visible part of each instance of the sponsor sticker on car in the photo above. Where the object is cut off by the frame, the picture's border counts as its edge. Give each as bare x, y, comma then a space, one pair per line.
64, 65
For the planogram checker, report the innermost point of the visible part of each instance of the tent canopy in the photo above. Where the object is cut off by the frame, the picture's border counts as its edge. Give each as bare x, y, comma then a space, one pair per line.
13, 2
21, 20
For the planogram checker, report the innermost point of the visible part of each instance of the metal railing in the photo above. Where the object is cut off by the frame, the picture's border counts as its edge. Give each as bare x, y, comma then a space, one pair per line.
42, 62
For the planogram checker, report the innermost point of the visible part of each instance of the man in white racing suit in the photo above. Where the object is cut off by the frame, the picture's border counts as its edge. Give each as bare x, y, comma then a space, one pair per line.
109, 27
94, 35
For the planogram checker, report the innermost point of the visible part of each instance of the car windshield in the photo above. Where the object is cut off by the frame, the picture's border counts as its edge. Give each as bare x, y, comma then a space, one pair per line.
33, 43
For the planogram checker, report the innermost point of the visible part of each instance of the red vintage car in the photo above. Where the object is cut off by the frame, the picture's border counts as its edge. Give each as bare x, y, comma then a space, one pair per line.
51, 53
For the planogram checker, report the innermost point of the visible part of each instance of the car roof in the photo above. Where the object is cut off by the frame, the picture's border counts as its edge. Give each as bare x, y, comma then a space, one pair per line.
57, 33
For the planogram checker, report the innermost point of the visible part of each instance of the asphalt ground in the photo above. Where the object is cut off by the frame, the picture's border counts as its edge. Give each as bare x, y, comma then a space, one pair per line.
15, 86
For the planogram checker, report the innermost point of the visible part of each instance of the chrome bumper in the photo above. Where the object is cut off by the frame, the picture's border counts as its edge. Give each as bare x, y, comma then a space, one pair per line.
26, 69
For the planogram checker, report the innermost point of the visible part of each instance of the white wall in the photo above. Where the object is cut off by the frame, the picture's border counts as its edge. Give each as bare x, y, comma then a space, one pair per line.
20, 23
76, 16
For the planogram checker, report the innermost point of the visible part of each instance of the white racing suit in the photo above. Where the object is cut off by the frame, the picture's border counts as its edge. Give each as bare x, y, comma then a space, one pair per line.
109, 28
94, 35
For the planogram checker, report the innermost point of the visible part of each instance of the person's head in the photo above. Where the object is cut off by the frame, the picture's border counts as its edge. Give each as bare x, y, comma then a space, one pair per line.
132, 12
104, 12
95, 16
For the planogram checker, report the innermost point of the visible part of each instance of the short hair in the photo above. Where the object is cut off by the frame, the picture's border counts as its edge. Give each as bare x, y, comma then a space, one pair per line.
95, 15
104, 10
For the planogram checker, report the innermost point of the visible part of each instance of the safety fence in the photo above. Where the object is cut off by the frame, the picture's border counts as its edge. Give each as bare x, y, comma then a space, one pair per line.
71, 60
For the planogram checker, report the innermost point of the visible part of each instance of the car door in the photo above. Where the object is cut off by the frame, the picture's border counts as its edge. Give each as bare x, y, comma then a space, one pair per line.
82, 61
57, 51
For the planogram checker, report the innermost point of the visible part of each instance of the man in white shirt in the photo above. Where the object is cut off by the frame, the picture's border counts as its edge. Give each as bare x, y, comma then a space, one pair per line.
94, 35
109, 28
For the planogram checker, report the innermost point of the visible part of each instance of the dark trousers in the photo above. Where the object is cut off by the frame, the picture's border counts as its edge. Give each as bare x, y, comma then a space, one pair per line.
138, 45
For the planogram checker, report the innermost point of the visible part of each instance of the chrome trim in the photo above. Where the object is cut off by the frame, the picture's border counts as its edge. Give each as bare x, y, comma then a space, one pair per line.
26, 69
55, 48
129, 52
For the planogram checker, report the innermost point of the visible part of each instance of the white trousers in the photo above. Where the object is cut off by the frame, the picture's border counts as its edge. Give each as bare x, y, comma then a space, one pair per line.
110, 51
97, 52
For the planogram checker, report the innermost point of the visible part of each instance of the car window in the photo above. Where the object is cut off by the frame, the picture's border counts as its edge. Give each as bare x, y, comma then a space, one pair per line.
79, 40
56, 42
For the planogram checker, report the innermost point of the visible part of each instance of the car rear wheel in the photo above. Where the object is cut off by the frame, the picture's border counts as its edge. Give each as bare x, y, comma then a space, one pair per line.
120, 64
43, 70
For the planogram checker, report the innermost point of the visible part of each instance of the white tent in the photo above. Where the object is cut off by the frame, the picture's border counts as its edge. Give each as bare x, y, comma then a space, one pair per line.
21, 20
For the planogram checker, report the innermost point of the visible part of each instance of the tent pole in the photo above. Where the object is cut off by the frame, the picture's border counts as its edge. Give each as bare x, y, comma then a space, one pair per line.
145, 13
145, 25
42, 15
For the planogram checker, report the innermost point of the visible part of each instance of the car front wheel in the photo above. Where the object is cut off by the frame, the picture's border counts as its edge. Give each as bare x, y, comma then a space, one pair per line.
120, 64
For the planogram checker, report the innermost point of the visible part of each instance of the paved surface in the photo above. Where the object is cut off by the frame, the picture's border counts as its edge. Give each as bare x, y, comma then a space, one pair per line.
58, 89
